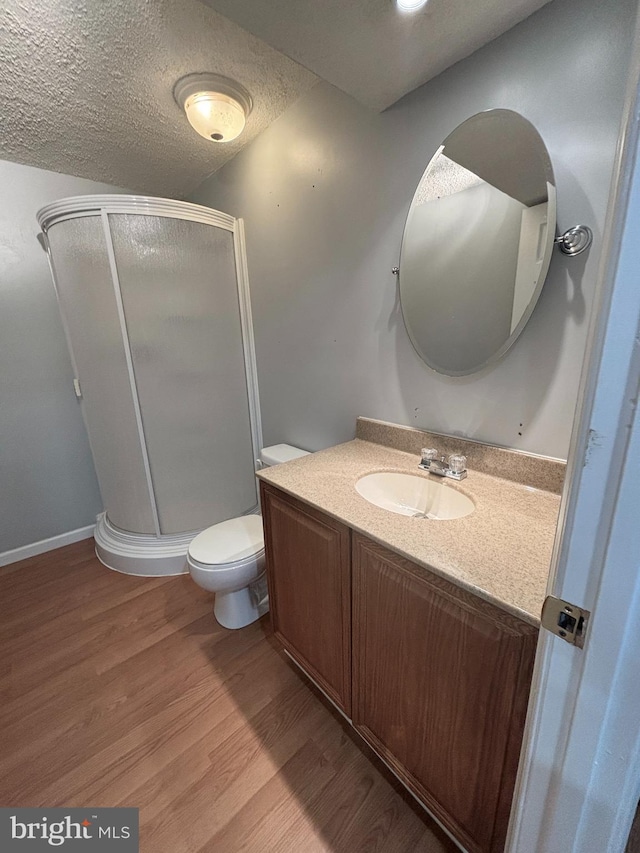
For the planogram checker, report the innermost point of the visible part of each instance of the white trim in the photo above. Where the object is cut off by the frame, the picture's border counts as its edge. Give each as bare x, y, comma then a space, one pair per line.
93, 205
248, 340
132, 376
65, 325
44, 545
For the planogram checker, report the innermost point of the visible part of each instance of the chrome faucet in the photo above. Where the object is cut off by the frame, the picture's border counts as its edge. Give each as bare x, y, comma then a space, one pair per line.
455, 467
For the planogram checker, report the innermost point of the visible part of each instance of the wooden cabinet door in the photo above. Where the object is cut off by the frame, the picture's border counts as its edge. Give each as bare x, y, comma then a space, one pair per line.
309, 577
441, 680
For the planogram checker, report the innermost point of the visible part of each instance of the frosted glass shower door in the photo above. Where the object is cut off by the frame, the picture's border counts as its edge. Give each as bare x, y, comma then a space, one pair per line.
178, 284
89, 305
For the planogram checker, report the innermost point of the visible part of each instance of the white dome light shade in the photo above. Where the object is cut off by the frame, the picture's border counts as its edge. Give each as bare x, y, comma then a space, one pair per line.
410, 5
216, 107
215, 116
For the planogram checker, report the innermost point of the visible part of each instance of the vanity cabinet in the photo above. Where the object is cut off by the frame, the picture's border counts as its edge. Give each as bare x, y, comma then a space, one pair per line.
309, 579
434, 678
440, 687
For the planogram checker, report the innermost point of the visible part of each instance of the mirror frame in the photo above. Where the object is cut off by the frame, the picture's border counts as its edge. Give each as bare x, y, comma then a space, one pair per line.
546, 259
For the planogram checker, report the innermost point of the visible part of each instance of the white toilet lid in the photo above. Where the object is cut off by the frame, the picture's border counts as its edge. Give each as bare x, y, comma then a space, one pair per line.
228, 541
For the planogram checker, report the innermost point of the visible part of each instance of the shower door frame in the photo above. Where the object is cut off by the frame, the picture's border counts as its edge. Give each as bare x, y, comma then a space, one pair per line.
102, 206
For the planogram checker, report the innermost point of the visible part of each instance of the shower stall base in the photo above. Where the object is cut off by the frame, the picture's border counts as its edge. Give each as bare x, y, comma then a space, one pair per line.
139, 554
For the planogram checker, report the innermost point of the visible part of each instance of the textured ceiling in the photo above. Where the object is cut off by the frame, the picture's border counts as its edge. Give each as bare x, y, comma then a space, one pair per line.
86, 85
86, 88
366, 47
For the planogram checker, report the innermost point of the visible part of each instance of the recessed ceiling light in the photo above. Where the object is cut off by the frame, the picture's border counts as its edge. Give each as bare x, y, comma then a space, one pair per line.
410, 5
216, 107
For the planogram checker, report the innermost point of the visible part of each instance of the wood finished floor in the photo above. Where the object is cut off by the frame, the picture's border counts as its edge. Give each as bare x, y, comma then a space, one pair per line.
122, 691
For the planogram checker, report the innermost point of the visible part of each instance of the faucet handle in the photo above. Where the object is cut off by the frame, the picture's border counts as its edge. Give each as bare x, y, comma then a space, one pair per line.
457, 463
427, 456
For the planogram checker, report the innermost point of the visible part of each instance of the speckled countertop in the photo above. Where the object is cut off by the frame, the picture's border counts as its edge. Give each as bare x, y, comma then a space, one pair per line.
501, 552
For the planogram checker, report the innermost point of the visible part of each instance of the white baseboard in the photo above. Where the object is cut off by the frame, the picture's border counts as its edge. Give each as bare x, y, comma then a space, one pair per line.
26, 551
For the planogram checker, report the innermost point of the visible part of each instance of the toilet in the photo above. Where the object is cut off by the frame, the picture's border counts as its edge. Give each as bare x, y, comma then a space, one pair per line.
228, 558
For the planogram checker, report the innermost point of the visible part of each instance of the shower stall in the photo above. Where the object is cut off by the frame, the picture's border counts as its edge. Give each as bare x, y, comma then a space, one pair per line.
155, 305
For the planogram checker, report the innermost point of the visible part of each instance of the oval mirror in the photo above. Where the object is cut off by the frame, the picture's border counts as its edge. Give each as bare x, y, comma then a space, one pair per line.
477, 242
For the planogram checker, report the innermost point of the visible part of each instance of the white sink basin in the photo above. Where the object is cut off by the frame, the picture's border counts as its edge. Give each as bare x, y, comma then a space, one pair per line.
411, 494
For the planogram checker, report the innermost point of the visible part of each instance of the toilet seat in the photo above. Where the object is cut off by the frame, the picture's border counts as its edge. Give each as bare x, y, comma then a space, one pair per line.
237, 541
221, 567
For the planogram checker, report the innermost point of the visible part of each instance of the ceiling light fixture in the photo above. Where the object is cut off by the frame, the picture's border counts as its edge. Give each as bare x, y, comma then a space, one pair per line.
410, 5
216, 107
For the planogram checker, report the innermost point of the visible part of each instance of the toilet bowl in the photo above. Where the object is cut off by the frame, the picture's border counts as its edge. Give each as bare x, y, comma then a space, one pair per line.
228, 558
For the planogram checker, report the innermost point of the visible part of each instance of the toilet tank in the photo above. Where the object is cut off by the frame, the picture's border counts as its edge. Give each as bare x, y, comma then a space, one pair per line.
278, 453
